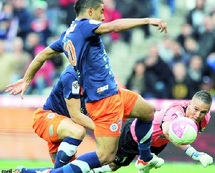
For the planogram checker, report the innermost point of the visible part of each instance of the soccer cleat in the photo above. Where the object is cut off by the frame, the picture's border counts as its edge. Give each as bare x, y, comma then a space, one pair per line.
144, 167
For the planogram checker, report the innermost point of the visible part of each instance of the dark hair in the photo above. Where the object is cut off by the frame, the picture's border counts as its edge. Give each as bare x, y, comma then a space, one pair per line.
81, 5
203, 95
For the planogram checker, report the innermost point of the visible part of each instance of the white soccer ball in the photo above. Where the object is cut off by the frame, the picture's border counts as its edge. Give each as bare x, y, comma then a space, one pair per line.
183, 131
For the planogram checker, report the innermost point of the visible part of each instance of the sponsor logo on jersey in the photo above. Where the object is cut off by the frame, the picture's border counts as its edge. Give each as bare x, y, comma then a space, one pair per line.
114, 127
50, 115
103, 88
75, 87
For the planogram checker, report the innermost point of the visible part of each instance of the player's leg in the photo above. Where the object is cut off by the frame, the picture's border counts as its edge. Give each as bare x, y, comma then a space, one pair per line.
71, 135
137, 107
127, 150
61, 133
107, 115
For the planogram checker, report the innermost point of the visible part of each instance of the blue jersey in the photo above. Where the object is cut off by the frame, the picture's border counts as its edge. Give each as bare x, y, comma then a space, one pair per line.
66, 87
87, 54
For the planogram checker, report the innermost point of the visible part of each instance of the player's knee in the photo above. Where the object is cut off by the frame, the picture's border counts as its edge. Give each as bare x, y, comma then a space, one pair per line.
79, 132
143, 110
151, 111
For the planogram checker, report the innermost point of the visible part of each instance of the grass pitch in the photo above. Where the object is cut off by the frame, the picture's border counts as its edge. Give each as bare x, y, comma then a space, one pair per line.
170, 167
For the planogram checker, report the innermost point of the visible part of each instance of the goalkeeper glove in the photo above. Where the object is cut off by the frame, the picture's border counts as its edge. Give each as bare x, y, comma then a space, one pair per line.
202, 157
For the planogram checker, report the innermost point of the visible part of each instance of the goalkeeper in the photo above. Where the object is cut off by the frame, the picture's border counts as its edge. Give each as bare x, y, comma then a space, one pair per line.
198, 109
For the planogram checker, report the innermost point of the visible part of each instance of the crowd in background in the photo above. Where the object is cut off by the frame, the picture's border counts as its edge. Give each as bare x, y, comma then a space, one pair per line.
173, 68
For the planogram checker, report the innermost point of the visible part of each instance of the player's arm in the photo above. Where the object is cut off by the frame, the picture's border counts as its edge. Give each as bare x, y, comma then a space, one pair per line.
74, 108
21, 85
129, 23
202, 157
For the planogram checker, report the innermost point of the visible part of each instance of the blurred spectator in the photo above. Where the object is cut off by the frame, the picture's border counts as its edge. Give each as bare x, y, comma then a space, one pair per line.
191, 48
180, 86
211, 61
68, 14
32, 43
209, 85
159, 72
139, 82
21, 58
177, 54
165, 49
195, 72
7, 66
210, 66
8, 24
53, 13
206, 39
24, 16
41, 23
186, 31
196, 16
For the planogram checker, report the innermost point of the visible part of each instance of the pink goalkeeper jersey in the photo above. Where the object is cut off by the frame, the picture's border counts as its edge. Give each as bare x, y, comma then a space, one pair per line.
168, 114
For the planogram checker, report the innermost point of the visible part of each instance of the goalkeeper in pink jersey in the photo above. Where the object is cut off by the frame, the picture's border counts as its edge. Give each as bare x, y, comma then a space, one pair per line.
197, 109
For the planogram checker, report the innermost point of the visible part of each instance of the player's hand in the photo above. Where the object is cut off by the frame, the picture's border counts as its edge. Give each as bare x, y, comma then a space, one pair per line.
18, 87
160, 24
203, 158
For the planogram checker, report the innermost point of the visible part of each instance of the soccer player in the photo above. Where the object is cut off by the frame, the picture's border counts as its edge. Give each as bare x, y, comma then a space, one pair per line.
106, 103
55, 121
198, 109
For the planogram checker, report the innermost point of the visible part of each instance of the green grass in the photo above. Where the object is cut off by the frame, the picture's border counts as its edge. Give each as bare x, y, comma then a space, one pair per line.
173, 167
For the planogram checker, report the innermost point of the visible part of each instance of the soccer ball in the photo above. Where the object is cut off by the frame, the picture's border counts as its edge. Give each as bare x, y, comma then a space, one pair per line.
182, 131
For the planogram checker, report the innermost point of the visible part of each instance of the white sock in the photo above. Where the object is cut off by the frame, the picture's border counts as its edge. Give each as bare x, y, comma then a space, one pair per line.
105, 168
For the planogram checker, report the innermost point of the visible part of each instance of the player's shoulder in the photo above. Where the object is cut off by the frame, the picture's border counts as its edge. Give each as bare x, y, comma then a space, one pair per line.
88, 23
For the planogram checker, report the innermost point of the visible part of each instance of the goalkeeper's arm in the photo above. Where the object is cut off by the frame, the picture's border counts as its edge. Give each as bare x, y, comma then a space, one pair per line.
202, 157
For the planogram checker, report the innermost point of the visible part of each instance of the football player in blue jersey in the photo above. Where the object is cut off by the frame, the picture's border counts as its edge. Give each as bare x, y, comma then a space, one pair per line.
55, 123
106, 103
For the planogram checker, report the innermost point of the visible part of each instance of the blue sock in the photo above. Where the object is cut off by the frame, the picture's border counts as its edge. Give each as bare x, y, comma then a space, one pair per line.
82, 164
143, 132
66, 151
90, 158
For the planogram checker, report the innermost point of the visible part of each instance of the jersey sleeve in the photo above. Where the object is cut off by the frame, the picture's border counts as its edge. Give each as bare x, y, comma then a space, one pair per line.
88, 27
173, 112
58, 44
71, 88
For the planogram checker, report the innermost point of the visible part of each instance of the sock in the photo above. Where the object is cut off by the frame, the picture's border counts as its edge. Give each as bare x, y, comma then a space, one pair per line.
66, 150
91, 159
82, 164
143, 132
105, 168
